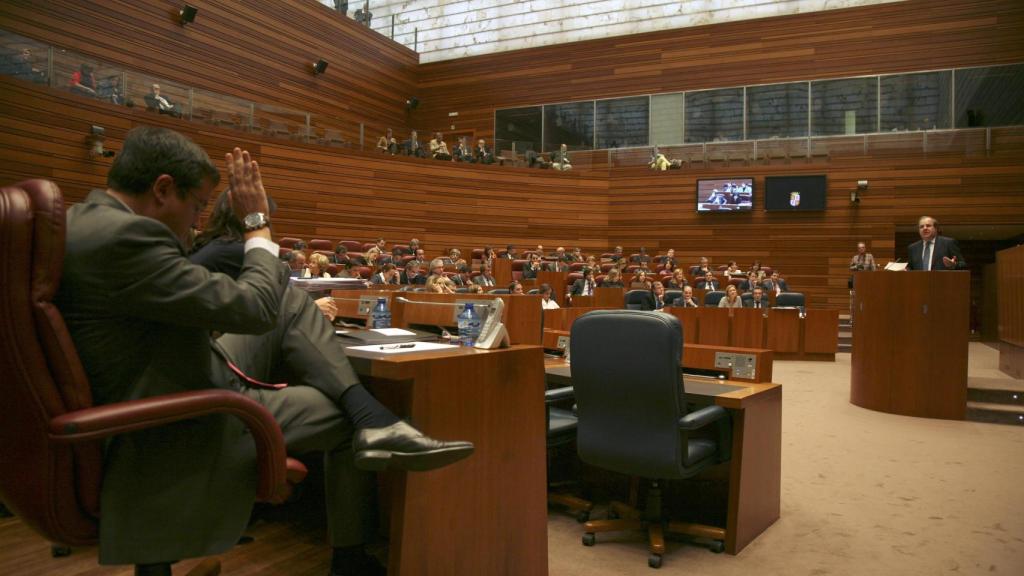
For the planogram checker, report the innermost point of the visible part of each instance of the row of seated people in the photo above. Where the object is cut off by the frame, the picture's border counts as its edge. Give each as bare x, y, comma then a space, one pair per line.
615, 268
438, 149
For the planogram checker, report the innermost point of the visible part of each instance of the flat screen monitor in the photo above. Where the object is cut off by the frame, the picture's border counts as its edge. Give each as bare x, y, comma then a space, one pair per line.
725, 195
795, 193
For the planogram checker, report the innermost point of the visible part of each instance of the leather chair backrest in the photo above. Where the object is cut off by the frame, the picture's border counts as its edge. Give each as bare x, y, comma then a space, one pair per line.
53, 488
288, 242
321, 244
790, 299
672, 295
352, 245
626, 376
635, 299
711, 298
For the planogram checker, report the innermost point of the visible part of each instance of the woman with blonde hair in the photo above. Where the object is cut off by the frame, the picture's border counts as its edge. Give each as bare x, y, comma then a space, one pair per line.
316, 266
731, 299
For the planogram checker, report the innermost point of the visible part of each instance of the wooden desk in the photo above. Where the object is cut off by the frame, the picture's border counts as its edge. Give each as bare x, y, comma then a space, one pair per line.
755, 471
488, 513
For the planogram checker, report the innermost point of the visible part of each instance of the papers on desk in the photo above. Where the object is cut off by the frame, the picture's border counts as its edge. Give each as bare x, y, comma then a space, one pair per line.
403, 348
896, 266
321, 284
393, 332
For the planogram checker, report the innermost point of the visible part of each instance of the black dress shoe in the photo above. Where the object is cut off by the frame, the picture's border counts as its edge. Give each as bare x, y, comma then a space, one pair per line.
406, 448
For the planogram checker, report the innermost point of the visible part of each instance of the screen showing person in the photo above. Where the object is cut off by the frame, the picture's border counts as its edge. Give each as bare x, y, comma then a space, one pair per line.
725, 194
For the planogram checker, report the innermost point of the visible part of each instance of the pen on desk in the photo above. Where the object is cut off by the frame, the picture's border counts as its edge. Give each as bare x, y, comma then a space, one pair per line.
393, 347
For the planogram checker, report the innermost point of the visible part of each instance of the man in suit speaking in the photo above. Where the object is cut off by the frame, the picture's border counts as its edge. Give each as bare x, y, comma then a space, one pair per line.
141, 317
932, 251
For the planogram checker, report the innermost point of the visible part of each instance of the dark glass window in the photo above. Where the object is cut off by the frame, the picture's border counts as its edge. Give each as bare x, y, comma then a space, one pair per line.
521, 126
622, 122
916, 101
992, 96
571, 124
714, 115
777, 111
847, 106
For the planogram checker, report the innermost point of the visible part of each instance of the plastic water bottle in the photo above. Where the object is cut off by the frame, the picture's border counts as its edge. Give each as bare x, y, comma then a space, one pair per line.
469, 325
381, 315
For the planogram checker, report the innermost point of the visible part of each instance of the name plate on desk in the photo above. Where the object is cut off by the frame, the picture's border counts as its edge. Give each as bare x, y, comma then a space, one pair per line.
366, 304
740, 365
562, 343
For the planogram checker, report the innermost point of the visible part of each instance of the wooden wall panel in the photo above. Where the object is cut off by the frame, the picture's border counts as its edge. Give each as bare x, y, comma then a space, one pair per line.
1011, 295
259, 51
886, 38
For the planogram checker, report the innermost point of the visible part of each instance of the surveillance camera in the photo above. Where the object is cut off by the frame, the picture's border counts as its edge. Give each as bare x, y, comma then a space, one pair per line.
97, 130
862, 184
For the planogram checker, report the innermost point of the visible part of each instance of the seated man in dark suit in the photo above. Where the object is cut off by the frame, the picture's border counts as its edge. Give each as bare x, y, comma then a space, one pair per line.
933, 251
157, 102
412, 146
656, 298
154, 338
484, 278
708, 282
584, 286
758, 299
686, 300
482, 154
774, 284
462, 152
413, 274
533, 267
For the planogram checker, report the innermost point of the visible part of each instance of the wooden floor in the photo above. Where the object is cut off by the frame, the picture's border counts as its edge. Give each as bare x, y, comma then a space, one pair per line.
295, 548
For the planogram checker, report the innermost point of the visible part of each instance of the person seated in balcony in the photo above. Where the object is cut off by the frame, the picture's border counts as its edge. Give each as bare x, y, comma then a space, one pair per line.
412, 146
560, 159
157, 102
83, 81
462, 153
658, 160
387, 143
438, 149
678, 280
20, 65
613, 279
482, 154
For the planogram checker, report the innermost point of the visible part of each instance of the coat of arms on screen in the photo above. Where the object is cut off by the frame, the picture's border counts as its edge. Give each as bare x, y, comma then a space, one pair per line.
794, 199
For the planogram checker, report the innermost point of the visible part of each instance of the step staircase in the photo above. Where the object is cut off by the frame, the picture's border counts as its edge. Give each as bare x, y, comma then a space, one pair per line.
997, 406
845, 333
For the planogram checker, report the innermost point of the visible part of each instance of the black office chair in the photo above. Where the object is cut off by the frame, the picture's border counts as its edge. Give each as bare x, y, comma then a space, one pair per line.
632, 415
635, 299
747, 298
533, 291
498, 291
561, 432
789, 299
711, 298
672, 295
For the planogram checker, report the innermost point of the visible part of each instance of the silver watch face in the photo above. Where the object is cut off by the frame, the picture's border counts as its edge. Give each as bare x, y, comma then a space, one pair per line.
255, 221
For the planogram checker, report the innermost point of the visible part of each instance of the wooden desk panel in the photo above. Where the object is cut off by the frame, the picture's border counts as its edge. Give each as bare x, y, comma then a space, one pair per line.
748, 328
610, 297
821, 332
501, 269
688, 318
713, 326
784, 330
488, 513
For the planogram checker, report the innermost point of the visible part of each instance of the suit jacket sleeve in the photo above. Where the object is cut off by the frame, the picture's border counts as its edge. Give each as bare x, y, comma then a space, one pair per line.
166, 287
951, 249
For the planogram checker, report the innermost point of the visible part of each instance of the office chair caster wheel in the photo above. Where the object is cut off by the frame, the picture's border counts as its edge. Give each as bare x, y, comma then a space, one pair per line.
589, 539
654, 560
60, 551
582, 516
717, 546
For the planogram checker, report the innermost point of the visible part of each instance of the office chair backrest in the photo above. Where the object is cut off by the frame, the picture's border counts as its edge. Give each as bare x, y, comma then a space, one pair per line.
711, 298
53, 488
790, 299
672, 295
625, 371
635, 299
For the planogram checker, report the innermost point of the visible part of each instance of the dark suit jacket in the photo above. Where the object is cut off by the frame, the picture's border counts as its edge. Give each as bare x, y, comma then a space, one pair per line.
704, 285
529, 273
577, 286
769, 289
652, 303
944, 246
140, 315
749, 302
684, 304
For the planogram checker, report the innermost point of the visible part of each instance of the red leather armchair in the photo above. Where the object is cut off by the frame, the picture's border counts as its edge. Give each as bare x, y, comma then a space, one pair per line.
51, 463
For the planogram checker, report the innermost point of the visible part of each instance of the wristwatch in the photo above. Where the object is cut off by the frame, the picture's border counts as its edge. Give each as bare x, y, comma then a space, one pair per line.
255, 221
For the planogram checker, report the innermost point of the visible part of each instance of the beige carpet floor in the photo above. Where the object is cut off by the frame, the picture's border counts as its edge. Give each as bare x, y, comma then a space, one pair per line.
862, 493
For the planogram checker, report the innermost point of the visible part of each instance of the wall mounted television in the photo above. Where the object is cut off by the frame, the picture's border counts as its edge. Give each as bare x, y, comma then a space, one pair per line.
725, 195
795, 193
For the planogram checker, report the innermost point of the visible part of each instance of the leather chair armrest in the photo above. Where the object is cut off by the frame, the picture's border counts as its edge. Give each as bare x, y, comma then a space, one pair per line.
701, 418
101, 422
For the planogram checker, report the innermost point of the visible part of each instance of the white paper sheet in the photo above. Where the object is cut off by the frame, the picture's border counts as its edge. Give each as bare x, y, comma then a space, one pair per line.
393, 332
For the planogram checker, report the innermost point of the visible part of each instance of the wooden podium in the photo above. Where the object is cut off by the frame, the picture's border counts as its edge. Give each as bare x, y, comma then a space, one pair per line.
910, 343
